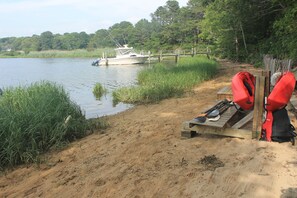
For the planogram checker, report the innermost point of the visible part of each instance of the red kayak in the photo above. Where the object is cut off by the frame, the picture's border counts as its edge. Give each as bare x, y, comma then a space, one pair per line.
282, 92
277, 99
243, 88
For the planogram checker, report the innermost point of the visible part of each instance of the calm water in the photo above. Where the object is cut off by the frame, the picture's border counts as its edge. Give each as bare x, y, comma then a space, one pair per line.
76, 75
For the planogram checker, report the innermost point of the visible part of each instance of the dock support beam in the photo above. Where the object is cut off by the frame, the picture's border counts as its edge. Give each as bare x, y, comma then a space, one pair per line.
258, 106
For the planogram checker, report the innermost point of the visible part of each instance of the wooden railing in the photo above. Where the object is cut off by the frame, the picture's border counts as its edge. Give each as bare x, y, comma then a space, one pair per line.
162, 56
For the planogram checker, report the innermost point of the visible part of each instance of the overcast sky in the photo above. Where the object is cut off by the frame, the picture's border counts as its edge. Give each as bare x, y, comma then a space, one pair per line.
27, 17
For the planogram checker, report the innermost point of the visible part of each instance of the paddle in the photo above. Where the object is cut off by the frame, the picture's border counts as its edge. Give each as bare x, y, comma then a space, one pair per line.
202, 117
213, 114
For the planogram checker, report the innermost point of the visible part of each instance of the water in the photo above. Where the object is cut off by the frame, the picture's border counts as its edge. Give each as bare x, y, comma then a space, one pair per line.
76, 75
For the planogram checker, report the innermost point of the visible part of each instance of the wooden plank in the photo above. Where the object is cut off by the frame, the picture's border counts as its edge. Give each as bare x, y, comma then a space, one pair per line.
293, 101
267, 74
225, 117
225, 93
244, 120
261, 105
228, 132
188, 134
258, 106
226, 89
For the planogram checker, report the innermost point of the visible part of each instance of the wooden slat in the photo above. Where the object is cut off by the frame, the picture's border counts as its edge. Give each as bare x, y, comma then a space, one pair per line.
225, 117
267, 74
293, 101
225, 93
244, 120
258, 106
229, 132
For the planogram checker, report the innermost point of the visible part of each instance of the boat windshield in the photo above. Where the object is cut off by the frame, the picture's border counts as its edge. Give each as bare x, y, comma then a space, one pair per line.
124, 50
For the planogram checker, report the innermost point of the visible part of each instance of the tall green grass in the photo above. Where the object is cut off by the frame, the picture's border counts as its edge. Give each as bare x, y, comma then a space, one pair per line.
99, 90
78, 53
161, 81
35, 119
70, 54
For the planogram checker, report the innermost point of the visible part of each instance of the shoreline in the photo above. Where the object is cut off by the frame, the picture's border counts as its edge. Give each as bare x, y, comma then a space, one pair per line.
142, 154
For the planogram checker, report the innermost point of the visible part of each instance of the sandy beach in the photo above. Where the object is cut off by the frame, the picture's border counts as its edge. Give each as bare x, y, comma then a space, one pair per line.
142, 154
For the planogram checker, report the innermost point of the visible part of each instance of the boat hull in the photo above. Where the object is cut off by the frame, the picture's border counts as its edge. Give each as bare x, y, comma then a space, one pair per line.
123, 61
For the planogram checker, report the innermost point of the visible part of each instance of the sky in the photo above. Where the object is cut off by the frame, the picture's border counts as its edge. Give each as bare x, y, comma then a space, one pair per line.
27, 17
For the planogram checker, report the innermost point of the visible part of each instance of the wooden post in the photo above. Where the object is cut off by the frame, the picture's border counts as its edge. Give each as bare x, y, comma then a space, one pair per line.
267, 74
160, 56
258, 106
176, 58
207, 53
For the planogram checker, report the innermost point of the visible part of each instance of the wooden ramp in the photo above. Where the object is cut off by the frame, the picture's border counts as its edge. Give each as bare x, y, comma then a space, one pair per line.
221, 122
220, 127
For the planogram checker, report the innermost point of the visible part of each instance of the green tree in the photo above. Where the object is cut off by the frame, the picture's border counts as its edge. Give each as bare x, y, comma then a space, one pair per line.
35, 43
283, 41
191, 17
141, 34
166, 20
83, 40
236, 27
100, 39
46, 40
58, 42
121, 33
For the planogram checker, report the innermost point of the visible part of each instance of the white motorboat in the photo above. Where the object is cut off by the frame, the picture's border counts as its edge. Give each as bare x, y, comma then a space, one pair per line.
124, 56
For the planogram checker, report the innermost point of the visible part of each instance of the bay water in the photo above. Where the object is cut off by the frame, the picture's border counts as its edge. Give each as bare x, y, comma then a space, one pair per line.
76, 75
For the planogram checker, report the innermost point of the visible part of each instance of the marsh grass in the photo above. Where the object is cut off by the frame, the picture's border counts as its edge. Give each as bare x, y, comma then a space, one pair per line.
98, 124
99, 90
69, 54
161, 81
78, 53
35, 119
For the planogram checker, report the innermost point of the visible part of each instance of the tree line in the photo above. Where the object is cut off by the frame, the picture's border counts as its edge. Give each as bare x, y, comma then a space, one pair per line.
241, 30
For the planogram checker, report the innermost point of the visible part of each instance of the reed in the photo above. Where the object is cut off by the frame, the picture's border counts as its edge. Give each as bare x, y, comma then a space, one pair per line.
161, 81
35, 119
99, 90
82, 53
78, 53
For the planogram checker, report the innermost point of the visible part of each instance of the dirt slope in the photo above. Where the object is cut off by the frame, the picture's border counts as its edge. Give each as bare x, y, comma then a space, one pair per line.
142, 155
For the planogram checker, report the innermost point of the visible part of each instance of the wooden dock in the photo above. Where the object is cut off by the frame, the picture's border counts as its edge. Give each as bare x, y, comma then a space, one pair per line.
161, 57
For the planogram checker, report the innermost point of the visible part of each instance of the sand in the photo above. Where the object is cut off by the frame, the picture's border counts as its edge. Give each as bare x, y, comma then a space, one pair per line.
142, 154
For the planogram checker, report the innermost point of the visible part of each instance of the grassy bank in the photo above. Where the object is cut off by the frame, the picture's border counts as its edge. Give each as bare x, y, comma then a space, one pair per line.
161, 81
35, 119
79, 53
